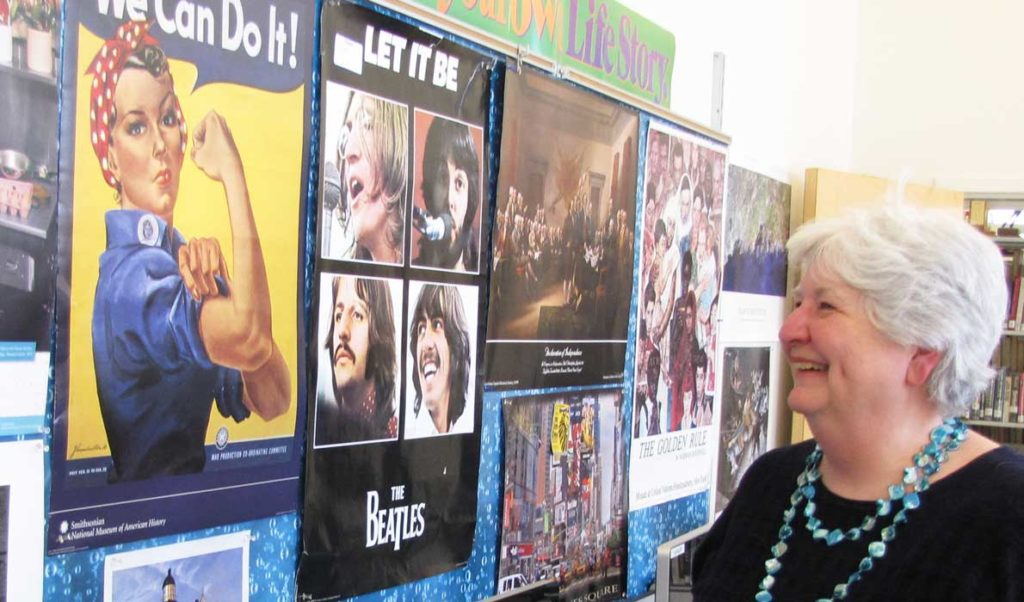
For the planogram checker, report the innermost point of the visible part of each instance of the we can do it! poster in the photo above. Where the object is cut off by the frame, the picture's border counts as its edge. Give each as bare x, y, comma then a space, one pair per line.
185, 136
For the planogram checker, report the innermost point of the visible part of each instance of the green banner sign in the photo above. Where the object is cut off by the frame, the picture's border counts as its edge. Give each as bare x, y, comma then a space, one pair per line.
600, 38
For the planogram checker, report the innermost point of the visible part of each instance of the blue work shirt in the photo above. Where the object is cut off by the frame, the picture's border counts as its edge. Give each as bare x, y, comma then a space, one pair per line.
155, 382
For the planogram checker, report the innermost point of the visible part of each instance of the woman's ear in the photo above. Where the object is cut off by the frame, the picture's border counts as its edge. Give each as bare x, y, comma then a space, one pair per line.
112, 162
922, 363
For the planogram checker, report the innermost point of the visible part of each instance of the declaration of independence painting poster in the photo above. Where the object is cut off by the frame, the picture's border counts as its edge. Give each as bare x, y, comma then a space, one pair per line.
183, 161
563, 236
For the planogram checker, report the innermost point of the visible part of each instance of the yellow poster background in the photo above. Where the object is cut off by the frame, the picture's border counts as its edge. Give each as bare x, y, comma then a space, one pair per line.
267, 128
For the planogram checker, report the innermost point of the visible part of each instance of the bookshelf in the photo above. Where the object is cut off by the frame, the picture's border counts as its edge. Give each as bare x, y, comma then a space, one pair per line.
1002, 404
994, 424
999, 412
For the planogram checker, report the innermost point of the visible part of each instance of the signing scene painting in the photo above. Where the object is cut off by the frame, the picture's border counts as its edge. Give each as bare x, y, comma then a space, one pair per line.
563, 235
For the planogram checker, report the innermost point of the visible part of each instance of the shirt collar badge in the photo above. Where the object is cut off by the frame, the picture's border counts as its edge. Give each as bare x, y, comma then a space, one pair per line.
148, 230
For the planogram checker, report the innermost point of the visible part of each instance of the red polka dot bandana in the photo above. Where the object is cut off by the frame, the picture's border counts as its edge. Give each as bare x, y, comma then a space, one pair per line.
106, 69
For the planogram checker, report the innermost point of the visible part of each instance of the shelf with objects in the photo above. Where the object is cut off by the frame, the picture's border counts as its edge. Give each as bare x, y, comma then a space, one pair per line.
999, 411
28, 212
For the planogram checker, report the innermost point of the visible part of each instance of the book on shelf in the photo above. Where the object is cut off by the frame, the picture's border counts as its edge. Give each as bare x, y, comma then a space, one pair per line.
1013, 397
1018, 315
1008, 398
1002, 400
1015, 300
1018, 415
978, 214
1012, 319
985, 412
994, 390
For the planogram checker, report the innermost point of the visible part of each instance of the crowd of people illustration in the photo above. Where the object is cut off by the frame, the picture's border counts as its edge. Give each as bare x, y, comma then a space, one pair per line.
680, 273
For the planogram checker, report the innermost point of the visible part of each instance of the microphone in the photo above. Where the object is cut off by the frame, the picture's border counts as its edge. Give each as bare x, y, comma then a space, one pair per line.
433, 228
334, 188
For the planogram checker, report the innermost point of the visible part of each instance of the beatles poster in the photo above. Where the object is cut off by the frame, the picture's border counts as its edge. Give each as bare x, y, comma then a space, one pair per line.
563, 237
183, 160
28, 214
674, 413
394, 419
564, 504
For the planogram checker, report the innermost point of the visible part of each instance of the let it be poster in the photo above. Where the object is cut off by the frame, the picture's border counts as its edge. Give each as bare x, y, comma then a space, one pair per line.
183, 158
393, 445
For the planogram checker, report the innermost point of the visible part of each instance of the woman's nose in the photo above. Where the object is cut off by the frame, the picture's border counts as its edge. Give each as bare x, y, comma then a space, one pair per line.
794, 327
159, 144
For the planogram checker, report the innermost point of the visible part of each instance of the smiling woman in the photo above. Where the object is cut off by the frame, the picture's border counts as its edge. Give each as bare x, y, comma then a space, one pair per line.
171, 332
895, 319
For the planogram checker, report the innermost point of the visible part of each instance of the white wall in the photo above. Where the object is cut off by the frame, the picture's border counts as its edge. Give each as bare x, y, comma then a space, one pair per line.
940, 92
789, 77
927, 88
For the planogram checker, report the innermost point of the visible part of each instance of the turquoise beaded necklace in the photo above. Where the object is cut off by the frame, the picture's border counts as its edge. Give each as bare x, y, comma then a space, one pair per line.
943, 439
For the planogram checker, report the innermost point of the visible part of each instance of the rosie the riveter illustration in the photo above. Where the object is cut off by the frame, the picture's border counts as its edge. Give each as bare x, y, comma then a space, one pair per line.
171, 332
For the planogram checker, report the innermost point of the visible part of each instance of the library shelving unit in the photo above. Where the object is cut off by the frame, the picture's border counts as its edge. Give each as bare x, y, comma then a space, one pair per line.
999, 412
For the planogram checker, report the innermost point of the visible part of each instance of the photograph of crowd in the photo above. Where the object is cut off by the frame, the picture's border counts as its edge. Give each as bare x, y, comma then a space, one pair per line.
563, 231
744, 432
680, 273
756, 231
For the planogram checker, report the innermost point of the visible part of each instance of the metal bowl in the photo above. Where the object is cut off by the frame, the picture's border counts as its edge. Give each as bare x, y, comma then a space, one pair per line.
13, 164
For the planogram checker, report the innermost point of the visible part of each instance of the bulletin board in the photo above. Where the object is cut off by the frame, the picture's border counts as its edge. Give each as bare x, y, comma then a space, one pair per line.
600, 182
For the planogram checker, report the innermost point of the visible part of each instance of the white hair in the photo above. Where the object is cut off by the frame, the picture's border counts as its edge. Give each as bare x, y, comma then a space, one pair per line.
929, 280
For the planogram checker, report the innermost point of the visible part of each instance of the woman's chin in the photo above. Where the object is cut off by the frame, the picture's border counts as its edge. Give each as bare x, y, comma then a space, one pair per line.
162, 206
804, 402
167, 202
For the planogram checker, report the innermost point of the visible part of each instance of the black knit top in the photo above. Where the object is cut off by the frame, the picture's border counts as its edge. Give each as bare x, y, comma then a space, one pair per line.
963, 543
